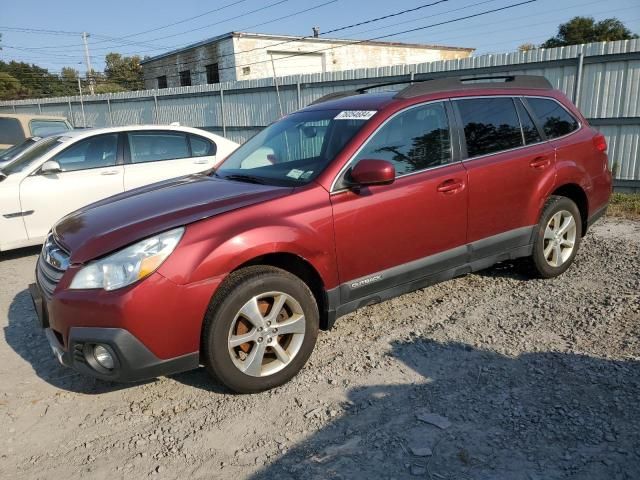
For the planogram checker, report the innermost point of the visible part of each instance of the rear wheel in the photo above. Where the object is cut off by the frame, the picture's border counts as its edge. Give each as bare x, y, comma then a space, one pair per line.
557, 237
260, 329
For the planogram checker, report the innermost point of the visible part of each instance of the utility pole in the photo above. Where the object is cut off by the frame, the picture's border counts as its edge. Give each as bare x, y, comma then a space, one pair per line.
84, 118
87, 59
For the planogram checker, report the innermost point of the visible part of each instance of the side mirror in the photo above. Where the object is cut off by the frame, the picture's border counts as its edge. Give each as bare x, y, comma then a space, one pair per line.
373, 172
50, 167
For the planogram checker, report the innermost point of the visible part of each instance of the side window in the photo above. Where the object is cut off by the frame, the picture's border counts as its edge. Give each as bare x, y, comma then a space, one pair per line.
529, 130
413, 140
43, 128
94, 152
201, 147
555, 120
490, 125
11, 131
156, 146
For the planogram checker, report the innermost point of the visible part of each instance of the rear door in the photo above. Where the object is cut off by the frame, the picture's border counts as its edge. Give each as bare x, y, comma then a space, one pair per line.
91, 169
510, 169
156, 155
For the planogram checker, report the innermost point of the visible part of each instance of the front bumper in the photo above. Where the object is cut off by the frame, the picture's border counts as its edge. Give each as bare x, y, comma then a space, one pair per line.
151, 329
133, 361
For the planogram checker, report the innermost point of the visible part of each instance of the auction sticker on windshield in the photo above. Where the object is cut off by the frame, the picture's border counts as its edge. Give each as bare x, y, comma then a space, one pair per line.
355, 115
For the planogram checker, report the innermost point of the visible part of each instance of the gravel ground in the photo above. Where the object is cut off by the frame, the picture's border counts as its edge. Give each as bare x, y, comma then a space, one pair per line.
489, 376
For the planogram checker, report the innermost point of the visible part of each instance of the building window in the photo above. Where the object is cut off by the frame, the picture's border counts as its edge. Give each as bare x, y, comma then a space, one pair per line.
246, 70
213, 74
185, 78
162, 81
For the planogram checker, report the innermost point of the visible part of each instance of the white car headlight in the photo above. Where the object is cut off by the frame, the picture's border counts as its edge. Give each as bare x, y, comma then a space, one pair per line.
129, 264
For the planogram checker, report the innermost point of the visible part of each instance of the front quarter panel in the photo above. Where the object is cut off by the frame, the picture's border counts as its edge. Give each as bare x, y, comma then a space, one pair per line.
299, 224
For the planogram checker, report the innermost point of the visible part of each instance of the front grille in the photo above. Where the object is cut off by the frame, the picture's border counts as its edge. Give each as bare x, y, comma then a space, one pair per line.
52, 264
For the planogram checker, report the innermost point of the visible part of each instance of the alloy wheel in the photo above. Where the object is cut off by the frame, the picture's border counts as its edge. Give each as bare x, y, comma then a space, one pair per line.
559, 238
266, 334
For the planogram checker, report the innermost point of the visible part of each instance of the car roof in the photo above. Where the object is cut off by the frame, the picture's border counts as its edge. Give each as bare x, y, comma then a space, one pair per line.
29, 116
431, 89
88, 132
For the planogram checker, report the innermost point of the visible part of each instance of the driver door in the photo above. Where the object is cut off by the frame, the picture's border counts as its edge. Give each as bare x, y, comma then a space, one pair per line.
90, 170
390, 235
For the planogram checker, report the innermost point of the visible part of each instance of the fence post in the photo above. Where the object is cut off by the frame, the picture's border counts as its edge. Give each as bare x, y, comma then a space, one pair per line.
222, 119
39, 108
110, 114
155, 110
73, 120
299, 93
14, 108
578, 84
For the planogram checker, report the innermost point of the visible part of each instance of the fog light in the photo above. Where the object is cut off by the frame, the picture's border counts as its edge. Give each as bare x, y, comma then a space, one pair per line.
103, 357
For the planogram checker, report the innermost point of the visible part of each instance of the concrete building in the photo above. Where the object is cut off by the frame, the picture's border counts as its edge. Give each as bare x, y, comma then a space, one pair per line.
247, 56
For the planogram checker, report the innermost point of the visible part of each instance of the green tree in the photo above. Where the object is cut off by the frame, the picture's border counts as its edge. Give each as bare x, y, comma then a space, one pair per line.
525, 47
124, 71
10, 88
586, 30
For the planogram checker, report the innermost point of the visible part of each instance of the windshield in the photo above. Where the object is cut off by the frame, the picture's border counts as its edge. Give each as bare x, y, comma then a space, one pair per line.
293, 151
16, 150
29, 156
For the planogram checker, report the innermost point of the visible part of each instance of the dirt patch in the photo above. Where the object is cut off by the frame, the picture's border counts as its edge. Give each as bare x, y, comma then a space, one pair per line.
492, 375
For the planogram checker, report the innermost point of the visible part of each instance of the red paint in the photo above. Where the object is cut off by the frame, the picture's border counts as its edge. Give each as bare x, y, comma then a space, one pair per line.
373, 172
343, 236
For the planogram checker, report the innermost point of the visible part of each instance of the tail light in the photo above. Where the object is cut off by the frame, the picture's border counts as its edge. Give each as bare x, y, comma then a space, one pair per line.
600, 143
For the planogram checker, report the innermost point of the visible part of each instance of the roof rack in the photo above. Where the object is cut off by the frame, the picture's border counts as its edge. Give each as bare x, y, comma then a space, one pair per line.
461, 83
335, 96
443, 84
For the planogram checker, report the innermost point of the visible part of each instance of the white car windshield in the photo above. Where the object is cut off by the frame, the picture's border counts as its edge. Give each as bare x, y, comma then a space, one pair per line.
31, 155
294, 150
16, 150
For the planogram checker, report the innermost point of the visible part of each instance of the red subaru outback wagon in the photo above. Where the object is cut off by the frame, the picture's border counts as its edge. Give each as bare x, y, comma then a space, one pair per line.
358, 198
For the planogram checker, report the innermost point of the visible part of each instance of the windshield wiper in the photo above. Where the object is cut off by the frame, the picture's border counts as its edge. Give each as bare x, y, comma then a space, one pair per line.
243, 178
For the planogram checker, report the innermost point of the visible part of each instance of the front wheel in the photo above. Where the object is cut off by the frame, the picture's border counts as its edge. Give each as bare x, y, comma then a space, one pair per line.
557, 237
260, 329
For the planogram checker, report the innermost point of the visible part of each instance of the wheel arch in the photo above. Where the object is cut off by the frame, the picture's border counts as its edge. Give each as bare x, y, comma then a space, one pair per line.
301, 268
577, 194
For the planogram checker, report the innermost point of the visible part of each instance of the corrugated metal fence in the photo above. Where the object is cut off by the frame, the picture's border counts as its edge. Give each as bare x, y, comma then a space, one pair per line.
602, 78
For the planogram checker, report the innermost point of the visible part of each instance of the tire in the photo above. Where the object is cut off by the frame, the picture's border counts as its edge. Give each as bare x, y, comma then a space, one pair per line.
553, 254
243, 308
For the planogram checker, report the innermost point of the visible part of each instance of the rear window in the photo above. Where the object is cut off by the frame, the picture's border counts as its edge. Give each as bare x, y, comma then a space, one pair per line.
201, 147
556, 121
490, 125
11, 131
156, 146
43, 128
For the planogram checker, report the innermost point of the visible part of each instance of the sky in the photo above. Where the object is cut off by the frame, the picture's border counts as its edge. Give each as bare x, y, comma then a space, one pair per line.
49, 33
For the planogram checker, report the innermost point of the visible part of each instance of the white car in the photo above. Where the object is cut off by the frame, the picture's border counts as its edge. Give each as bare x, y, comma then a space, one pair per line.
64, 172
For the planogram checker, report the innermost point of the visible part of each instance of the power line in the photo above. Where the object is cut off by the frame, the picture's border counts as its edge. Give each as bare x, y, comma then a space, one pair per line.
146, 42
357, 42
107, 39
518, 27
298, 39
38, 31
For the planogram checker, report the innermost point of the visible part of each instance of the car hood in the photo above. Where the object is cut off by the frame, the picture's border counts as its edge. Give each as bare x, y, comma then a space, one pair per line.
117, 221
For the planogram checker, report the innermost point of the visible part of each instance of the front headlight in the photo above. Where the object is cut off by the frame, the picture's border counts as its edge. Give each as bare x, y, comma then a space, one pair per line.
129, 264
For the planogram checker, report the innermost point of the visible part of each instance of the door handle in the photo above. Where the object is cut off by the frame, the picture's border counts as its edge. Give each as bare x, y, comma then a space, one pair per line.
110, 172
450, 186
540, 162
200, 161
